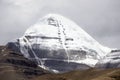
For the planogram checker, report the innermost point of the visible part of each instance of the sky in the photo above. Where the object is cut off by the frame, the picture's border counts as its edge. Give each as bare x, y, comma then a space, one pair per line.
99, 18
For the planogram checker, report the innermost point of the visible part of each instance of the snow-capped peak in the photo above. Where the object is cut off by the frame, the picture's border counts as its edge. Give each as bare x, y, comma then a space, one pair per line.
57, 38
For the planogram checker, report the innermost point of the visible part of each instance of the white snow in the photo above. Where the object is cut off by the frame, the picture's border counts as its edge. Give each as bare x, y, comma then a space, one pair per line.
55, 32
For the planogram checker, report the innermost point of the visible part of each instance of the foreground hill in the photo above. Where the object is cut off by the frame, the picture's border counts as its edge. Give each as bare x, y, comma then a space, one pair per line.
13, 66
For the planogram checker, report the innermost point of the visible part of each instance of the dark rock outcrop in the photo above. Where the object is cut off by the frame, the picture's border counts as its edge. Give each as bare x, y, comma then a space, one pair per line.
16, 67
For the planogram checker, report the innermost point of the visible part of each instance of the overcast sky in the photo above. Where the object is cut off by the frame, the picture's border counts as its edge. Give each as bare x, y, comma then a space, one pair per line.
99, 18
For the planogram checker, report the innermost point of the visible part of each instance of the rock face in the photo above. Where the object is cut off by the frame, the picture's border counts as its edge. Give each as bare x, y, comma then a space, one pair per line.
14, 66
58, 44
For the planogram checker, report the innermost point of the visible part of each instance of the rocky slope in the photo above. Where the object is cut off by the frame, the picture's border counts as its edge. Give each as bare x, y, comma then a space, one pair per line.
13, 66
90, 74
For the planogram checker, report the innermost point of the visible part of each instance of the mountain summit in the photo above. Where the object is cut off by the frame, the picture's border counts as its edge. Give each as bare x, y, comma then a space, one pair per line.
59, 44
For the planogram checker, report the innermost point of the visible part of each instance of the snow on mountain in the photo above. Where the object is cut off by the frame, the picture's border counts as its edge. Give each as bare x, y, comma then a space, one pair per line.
55, 40
111, 60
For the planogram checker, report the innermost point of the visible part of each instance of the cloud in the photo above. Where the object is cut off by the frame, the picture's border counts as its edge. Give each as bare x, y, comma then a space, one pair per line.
101, 19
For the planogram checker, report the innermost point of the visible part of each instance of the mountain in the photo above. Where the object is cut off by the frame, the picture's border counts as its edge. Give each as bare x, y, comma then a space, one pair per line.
58, 44
56, 48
